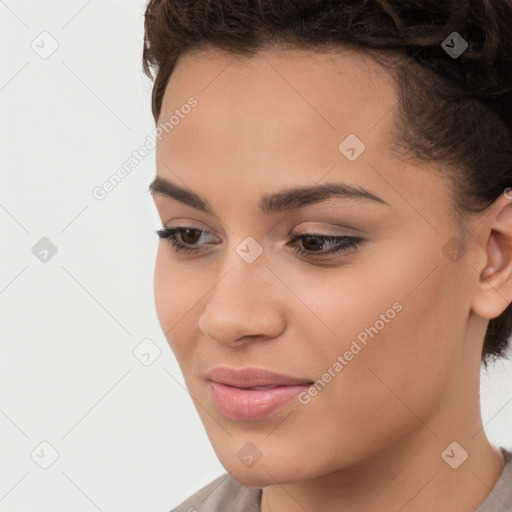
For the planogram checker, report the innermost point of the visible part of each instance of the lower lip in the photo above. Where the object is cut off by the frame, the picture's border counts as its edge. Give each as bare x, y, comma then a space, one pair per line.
252, 404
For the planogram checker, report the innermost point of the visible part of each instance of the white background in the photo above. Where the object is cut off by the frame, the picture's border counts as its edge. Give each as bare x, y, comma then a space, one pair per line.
127, 435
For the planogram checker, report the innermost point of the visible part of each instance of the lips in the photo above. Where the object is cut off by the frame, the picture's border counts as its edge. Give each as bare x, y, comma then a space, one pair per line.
252, 378
250, 394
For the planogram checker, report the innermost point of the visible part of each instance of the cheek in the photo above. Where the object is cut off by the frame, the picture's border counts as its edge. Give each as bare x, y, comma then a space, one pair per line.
399, 373
163, 290
173, 300
403, 354
398, 335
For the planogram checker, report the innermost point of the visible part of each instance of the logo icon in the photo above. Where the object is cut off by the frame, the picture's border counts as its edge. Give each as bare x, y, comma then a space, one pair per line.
454, 45
249, 455
351, 147
147, 352
44, 455
454, 250
249, 249
454, 455
44, 250
45, 45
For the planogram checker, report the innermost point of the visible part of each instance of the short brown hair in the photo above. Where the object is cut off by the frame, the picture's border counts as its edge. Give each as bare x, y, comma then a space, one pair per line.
453, 109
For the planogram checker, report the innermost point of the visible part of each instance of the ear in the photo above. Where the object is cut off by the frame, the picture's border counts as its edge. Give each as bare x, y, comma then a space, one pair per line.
494, 292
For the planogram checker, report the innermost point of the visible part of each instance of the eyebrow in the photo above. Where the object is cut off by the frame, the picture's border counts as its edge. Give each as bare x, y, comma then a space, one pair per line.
289, 199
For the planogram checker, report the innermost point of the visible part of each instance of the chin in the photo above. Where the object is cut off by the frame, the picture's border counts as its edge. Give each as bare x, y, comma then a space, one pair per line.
267, 471
258, 477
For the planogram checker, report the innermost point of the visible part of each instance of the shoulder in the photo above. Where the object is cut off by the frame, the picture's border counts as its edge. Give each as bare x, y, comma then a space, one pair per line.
223, 493
500, 498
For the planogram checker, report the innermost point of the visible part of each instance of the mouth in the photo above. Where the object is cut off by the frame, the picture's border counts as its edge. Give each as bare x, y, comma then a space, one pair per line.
251, 393
253, 378
259, 387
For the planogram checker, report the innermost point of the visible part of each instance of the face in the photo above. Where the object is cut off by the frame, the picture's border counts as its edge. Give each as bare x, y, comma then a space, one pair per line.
369, 306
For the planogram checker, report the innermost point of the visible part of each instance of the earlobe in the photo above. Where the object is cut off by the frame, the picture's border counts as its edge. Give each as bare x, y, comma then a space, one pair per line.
494, 292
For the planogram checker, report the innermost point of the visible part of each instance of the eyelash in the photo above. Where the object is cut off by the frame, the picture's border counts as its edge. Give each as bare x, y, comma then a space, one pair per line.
347, 242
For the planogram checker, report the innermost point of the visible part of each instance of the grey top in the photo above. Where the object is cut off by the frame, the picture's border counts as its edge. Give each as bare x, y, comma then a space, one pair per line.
224, 494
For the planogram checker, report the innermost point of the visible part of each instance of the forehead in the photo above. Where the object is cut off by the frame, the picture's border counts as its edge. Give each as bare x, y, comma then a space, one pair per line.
276, 102
278, 118
329, 89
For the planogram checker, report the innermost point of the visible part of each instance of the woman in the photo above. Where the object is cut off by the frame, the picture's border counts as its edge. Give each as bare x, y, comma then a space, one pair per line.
336, 245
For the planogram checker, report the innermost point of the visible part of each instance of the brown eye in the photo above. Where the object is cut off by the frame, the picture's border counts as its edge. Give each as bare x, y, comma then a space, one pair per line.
312, 244
188, 238
185, 239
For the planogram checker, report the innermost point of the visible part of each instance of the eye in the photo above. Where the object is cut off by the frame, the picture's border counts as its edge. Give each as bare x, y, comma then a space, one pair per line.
184, 239
187, 234
313, 243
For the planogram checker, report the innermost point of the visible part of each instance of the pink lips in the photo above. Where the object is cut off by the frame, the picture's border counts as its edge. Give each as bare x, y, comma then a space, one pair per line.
252, 393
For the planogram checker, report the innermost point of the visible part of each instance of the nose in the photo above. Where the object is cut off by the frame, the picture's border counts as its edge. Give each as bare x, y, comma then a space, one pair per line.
245, 305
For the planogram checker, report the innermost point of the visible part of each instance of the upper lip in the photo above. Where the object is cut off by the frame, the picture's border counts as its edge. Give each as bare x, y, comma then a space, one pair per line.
252, 377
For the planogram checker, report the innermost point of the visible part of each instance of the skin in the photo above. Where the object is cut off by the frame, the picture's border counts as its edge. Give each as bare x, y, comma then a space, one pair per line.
372, 439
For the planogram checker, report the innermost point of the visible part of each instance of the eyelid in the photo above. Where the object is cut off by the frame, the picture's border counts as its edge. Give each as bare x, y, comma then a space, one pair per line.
190, 224
343, 244
315, 231
293, 232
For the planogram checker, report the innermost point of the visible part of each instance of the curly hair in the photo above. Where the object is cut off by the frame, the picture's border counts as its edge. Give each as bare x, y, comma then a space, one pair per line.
454, 109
